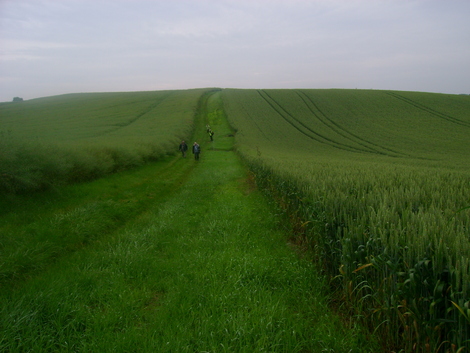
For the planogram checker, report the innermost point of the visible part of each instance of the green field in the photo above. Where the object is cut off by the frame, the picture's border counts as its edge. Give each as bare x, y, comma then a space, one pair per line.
78, 137
378, 184
353, 124
373, 186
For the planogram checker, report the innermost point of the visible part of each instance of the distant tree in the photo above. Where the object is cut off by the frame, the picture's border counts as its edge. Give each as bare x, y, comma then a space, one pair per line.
17, 99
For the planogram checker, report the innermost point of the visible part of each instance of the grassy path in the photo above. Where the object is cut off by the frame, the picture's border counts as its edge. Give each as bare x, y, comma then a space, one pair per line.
201, 265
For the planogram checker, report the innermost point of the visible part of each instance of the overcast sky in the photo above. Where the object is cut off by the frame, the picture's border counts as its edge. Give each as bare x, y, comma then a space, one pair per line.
50, 47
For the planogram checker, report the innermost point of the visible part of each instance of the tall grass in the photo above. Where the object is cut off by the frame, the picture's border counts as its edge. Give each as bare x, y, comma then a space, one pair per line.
390, 227
27, 167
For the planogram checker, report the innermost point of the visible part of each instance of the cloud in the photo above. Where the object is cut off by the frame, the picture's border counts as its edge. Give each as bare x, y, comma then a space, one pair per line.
86, 45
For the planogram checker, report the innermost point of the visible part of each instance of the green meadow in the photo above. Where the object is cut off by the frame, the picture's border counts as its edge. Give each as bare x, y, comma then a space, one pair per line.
317, 220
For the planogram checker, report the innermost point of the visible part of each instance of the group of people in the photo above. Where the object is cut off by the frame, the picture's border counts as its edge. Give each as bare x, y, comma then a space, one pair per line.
196, 148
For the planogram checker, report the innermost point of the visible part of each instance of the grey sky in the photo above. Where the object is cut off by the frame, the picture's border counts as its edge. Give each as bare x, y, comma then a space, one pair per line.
50, 47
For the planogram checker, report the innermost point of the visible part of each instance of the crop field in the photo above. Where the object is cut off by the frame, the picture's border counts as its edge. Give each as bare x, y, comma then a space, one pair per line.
411, 126
377, 183
178, 255
79, 137
373, 185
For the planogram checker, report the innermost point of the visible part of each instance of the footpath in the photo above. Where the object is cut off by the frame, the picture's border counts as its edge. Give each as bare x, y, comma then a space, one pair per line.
234, 282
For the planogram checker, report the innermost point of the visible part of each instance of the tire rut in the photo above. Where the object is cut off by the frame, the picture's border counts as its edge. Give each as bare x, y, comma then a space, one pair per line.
429, 110
331, 124
294, 122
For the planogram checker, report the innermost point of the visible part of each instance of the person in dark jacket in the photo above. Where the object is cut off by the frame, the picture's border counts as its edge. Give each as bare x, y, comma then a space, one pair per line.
183, 148
196, 150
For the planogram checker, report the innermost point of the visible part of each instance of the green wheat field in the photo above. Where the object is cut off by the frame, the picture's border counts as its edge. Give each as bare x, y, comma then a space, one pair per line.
317, 220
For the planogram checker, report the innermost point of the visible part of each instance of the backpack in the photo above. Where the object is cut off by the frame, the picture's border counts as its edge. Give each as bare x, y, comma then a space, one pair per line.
196, 148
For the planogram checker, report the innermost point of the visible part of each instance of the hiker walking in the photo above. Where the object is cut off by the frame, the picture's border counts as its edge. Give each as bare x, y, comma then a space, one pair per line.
196, 150
211, 133
183, 148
